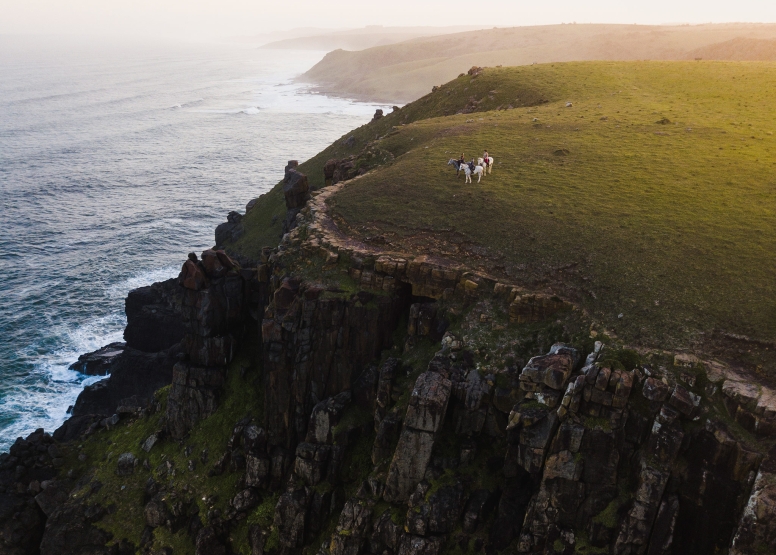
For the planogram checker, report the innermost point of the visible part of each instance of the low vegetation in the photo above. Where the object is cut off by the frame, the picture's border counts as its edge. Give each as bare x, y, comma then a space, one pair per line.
642, 191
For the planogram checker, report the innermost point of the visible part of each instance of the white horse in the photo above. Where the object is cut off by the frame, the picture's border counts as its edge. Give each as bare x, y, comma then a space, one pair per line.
489, 166
479, 171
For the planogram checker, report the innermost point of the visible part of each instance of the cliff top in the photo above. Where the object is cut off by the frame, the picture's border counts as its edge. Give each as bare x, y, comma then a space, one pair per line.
648, 201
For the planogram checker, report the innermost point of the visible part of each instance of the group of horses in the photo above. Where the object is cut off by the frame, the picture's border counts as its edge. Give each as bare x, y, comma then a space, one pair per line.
479, 170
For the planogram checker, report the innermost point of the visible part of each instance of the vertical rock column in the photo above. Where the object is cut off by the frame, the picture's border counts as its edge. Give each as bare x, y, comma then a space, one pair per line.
756, 531
315, 347
424, 418
213, 314
296, 191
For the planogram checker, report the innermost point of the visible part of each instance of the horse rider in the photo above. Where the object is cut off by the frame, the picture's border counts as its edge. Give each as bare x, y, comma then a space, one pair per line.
461, 160
486, 158
471, 165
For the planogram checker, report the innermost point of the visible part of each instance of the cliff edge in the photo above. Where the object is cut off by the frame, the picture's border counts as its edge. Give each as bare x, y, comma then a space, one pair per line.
399, 382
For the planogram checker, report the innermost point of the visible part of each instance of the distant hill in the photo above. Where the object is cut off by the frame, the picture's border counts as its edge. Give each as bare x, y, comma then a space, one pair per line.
738, 49
405, 71
360, 39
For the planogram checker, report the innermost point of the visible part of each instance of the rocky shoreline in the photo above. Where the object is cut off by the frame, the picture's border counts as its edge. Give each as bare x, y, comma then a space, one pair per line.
397, 413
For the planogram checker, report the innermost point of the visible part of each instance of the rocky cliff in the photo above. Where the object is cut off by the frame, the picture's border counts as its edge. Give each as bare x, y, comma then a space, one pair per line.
339, 398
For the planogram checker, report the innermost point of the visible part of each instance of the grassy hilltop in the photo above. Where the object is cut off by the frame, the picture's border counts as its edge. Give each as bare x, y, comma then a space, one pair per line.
650, 201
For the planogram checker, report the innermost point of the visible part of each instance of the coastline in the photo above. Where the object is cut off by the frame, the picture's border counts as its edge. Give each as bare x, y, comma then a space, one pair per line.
356, 391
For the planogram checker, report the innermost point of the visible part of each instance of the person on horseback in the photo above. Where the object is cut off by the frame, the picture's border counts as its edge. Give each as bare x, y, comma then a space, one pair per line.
471, 165
461, 160
486, 158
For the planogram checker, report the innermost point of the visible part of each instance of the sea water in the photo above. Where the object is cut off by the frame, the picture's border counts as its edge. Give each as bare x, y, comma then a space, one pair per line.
117, 159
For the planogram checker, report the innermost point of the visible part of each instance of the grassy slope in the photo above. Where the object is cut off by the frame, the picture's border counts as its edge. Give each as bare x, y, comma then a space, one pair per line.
405, 71
669, 225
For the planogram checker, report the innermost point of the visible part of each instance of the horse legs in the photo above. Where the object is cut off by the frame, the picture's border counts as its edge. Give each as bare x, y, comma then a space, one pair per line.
479, 177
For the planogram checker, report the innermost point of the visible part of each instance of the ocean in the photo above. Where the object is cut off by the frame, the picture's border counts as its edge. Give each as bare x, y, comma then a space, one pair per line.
116, 160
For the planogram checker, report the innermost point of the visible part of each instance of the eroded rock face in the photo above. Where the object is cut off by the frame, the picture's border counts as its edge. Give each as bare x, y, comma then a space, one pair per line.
756, 530
325, 415
99, 362
194, 395
70, 531
214, 315
314, 348
154, 317
232, 229
291, 516
425, 414
352, 528
134, 377
428, 402
29, 492
296, 189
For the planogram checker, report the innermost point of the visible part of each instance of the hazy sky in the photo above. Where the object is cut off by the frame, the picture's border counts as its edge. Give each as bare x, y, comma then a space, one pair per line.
219, 18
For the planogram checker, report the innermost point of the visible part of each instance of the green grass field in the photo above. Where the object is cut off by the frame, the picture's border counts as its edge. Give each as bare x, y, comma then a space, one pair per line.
653, 197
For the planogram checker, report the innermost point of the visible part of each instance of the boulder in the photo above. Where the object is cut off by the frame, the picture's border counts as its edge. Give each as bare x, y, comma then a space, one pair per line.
552, 370
150, 441
156, 512
291, 166
126, 464
213, 265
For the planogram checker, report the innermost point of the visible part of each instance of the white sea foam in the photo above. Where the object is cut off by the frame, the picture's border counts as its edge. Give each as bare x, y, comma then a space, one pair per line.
130, 188
43, 398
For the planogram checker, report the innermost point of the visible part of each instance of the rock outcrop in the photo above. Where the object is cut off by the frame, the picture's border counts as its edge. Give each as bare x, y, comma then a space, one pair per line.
29, 491
153, 317
214, 314
232, 229
315, 346
134, 377
468, 429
